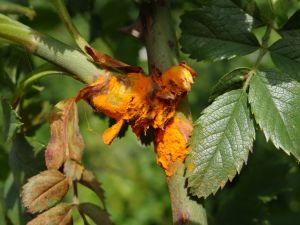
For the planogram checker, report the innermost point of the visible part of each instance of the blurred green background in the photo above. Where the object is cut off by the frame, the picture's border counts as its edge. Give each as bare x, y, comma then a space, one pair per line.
266, 192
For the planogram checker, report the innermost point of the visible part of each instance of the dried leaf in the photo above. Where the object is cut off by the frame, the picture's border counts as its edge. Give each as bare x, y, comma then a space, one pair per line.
98, 215
58, 215
44, 190
66, 140
73, 170
89, 180
108, 62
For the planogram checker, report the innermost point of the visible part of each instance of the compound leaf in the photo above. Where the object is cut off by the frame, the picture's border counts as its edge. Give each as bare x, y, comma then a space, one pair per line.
275, 102
220, 143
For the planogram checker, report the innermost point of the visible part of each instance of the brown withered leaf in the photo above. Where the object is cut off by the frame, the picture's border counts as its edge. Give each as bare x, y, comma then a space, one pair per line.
98, 215
66, 140
44, 190
89, 180
58, 215
108, 62
73, 170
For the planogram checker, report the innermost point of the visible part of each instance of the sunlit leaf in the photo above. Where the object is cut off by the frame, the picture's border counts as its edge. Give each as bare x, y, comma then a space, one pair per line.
220, 143
275, 103
44, 190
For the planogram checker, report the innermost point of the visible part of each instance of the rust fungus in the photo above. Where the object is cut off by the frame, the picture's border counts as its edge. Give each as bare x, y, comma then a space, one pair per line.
143, 102
171, 143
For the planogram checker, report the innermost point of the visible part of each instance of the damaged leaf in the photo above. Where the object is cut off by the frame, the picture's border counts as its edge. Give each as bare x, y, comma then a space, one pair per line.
88, 179
73, 170
44, 190
58, 215
66, 141
98, 215
108, 62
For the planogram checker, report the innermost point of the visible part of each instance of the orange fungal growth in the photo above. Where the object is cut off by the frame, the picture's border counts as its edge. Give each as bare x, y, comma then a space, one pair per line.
171, 143
142, 102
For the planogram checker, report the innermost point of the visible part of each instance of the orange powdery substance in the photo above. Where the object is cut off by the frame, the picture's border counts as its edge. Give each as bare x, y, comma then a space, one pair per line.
171, 143
143, 102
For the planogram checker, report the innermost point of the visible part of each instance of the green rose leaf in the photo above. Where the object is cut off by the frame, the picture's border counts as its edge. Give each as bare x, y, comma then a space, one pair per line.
292, 26
285, 54
221, 141
230, 81
11, 121
275, 103
217, 31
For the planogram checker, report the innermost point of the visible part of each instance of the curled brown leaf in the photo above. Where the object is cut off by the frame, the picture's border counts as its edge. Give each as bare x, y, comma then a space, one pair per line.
66, 141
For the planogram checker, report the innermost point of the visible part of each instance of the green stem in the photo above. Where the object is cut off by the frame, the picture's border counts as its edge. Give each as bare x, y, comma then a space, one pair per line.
50, 49
262, 51
12, 8
161, 45
64, 15
42, 71
264, 46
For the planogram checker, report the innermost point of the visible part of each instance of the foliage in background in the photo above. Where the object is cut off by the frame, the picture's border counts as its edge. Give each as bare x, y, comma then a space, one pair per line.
266, 192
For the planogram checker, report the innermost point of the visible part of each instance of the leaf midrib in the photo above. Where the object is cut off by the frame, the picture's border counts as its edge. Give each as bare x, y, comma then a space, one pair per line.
265, 85
223, 136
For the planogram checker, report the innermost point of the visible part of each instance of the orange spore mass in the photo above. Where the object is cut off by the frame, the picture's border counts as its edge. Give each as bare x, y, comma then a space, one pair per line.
144, 102
171, 143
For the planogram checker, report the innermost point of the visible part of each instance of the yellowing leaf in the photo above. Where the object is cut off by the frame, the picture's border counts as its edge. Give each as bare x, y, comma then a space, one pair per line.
66, 140
58, 215
73, 170
44, 190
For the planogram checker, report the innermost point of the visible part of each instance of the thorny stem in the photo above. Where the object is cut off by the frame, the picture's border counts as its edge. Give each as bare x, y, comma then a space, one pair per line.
50, 49
160, 40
